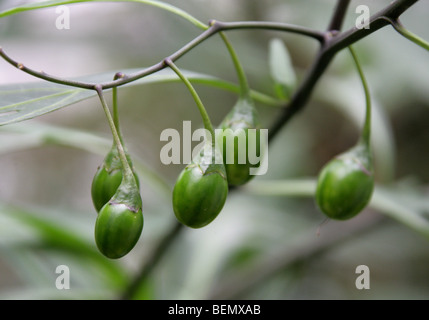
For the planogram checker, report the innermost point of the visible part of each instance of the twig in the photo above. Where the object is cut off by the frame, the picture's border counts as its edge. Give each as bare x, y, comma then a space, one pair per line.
213, 29
397, 25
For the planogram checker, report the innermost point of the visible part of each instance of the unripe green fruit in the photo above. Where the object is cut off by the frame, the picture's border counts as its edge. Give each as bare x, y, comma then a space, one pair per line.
235, 126
200, 193
104, 186
108, 178
345, 185
117, 229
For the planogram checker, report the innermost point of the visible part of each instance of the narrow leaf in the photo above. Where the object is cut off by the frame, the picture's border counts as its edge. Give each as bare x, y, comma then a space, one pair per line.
53, 235
19, 102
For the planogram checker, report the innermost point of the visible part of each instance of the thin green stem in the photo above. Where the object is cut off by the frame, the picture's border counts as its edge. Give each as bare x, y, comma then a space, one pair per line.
366, 132
128, 173
232, 87
270, 25
331, 45
204, 115
115, 110
409, 35
244, 85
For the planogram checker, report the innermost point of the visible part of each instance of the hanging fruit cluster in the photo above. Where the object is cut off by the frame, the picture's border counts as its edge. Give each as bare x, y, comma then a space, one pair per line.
116, 196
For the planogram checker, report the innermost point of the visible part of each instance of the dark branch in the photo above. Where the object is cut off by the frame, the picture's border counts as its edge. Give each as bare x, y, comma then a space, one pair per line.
334, 43
377, 21
214, 28
276, 26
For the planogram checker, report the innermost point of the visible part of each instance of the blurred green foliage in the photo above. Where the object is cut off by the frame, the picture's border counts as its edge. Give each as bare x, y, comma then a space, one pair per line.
278, 239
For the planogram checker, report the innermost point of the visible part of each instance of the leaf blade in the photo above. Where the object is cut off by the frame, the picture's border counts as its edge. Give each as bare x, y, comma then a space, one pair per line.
281, 68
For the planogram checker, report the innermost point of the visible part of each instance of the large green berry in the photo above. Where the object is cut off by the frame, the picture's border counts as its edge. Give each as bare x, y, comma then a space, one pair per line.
200, 191
234, 137
117, 229
108, 178
345, 185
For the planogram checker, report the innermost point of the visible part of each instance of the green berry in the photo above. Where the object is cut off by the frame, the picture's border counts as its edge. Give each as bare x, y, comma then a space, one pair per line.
120, 221
235, 127
108, 178
117, 229
200, 191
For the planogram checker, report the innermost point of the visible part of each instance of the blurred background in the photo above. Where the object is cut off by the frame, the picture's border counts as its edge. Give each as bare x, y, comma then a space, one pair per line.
279, 241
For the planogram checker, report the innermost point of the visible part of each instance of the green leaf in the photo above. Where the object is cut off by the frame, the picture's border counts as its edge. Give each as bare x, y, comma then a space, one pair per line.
386, 200
19, 102
26, 101
281, 68
47, 233
23, 136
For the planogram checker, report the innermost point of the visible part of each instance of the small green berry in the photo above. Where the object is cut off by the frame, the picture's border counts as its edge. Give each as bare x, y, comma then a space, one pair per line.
108, 178
200, 192
117, 229
120, 221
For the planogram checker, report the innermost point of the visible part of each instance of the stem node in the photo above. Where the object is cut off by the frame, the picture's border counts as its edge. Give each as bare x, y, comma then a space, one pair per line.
98, 88
167, 62
119, 75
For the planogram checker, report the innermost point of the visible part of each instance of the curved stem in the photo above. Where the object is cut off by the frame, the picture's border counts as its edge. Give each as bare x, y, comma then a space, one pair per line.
275, 26
409, 35
44, 76
366, 132
331, 45
128, 173
244, 85
115, 110
204, 115
377, 21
